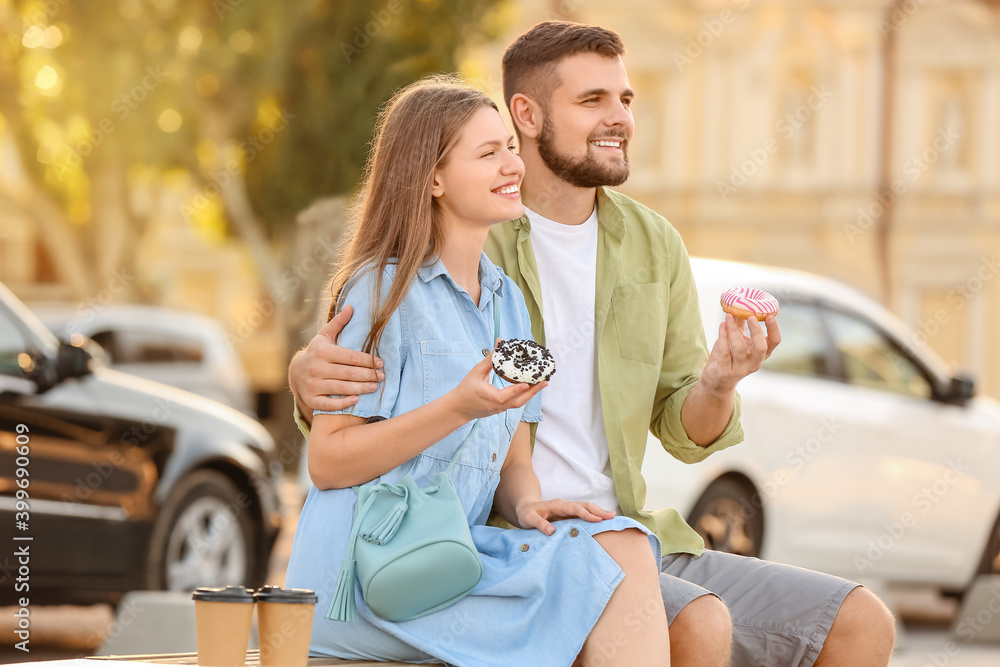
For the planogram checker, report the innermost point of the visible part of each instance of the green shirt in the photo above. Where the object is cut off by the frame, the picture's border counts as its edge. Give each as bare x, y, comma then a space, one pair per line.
650, 345
650, 341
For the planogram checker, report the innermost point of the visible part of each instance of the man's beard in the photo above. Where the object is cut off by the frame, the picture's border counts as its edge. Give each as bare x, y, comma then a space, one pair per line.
586, 172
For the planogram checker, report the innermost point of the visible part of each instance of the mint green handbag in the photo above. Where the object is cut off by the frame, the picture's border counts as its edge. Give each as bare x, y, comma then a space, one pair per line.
415, 554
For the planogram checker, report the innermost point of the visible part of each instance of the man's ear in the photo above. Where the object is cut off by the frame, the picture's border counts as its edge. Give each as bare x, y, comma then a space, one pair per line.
527, 115
437, 186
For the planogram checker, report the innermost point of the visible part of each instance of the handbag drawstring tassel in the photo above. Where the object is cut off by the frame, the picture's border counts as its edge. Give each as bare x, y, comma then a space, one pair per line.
342, 606
383, 531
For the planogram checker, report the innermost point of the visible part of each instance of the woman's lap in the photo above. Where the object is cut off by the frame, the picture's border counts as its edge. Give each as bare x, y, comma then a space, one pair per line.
529, 579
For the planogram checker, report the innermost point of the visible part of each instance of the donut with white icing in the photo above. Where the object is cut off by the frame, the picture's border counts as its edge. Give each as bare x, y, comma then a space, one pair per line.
746, 302
525, 361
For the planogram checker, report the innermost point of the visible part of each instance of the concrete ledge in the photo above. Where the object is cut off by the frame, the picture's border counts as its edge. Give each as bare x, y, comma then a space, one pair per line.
979, 619
151, 622
155, 623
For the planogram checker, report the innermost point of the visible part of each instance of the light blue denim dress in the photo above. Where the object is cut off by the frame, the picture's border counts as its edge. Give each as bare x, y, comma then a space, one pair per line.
540, 595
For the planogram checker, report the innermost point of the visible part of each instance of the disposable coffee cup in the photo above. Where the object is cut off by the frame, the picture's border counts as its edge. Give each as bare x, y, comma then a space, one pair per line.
284, 625
222, 619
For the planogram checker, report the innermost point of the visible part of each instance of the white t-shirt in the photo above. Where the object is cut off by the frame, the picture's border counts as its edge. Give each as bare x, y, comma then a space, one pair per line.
571, 449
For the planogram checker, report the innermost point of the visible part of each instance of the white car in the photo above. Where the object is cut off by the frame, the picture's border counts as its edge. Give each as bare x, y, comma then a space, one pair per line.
173, 347
863, 456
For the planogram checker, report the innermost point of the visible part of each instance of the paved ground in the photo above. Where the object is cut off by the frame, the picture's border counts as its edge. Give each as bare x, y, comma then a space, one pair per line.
72, 632
934, 648
927, 639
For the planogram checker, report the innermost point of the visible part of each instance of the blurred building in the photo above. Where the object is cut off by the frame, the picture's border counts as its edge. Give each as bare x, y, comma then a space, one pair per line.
760, 127
759, 136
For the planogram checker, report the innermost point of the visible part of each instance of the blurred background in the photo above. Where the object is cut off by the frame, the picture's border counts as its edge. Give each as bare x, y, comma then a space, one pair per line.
173, 173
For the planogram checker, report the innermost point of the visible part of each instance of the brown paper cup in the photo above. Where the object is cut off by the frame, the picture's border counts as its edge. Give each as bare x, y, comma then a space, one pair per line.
222, 619
284, 625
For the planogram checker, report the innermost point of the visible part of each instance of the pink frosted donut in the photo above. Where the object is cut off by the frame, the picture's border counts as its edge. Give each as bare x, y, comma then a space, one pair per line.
744, 302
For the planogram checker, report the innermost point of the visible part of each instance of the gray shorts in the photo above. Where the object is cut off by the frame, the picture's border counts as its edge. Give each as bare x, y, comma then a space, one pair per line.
781, 613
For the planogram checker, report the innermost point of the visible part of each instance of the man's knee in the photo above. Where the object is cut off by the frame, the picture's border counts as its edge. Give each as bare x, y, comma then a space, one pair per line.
705, 622
863, 616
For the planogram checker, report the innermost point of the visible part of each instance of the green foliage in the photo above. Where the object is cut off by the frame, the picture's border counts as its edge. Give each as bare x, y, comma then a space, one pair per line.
227, 67
344, 60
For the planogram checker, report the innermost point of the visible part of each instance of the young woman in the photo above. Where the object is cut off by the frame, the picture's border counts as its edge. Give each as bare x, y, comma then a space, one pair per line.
443, 170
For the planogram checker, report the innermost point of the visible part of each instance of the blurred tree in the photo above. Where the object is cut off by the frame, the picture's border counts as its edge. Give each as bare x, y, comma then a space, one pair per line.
268, 105
264, 109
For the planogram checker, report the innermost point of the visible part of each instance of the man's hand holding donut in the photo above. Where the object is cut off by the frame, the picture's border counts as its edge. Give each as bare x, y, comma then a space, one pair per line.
709, 406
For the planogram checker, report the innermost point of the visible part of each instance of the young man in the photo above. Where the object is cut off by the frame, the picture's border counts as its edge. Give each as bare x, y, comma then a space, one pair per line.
609, 288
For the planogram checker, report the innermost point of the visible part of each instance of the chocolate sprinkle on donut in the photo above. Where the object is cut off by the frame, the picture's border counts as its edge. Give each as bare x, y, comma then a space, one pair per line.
523, 361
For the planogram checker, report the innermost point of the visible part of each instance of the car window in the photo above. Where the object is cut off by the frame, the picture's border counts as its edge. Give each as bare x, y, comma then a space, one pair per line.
872, 360
803, 349
12, 346
141, 346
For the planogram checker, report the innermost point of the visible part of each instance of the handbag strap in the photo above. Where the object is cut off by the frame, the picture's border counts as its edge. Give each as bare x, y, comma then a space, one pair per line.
342, 605
496, 334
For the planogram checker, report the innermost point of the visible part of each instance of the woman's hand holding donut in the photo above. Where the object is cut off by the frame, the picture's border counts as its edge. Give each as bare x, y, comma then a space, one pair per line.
476, 397
540, 513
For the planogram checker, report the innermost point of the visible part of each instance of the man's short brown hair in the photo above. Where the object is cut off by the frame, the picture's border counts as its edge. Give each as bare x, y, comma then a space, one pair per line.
529, 62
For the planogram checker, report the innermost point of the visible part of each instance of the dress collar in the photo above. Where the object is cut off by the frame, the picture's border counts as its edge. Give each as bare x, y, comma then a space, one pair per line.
490, 277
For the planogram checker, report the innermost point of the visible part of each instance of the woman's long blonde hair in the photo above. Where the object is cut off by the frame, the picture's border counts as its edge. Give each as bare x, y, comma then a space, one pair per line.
395, 217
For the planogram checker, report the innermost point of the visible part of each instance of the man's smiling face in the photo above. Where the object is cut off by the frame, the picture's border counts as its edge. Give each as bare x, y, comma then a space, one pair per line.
587, 122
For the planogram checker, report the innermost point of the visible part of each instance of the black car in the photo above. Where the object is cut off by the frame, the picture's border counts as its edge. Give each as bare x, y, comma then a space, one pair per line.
111, 483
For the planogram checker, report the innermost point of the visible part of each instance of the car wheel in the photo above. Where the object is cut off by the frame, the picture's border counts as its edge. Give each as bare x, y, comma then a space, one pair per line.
727, 520
203, 536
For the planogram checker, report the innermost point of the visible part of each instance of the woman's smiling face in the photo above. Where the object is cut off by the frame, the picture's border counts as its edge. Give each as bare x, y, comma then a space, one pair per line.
481, 178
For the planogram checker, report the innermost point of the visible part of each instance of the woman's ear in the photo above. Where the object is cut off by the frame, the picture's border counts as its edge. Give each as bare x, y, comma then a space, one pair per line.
527, 115
437, 186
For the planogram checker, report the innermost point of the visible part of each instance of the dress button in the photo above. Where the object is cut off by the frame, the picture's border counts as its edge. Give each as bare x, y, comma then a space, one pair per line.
494, 456
573, 532
486, 351
524, 547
